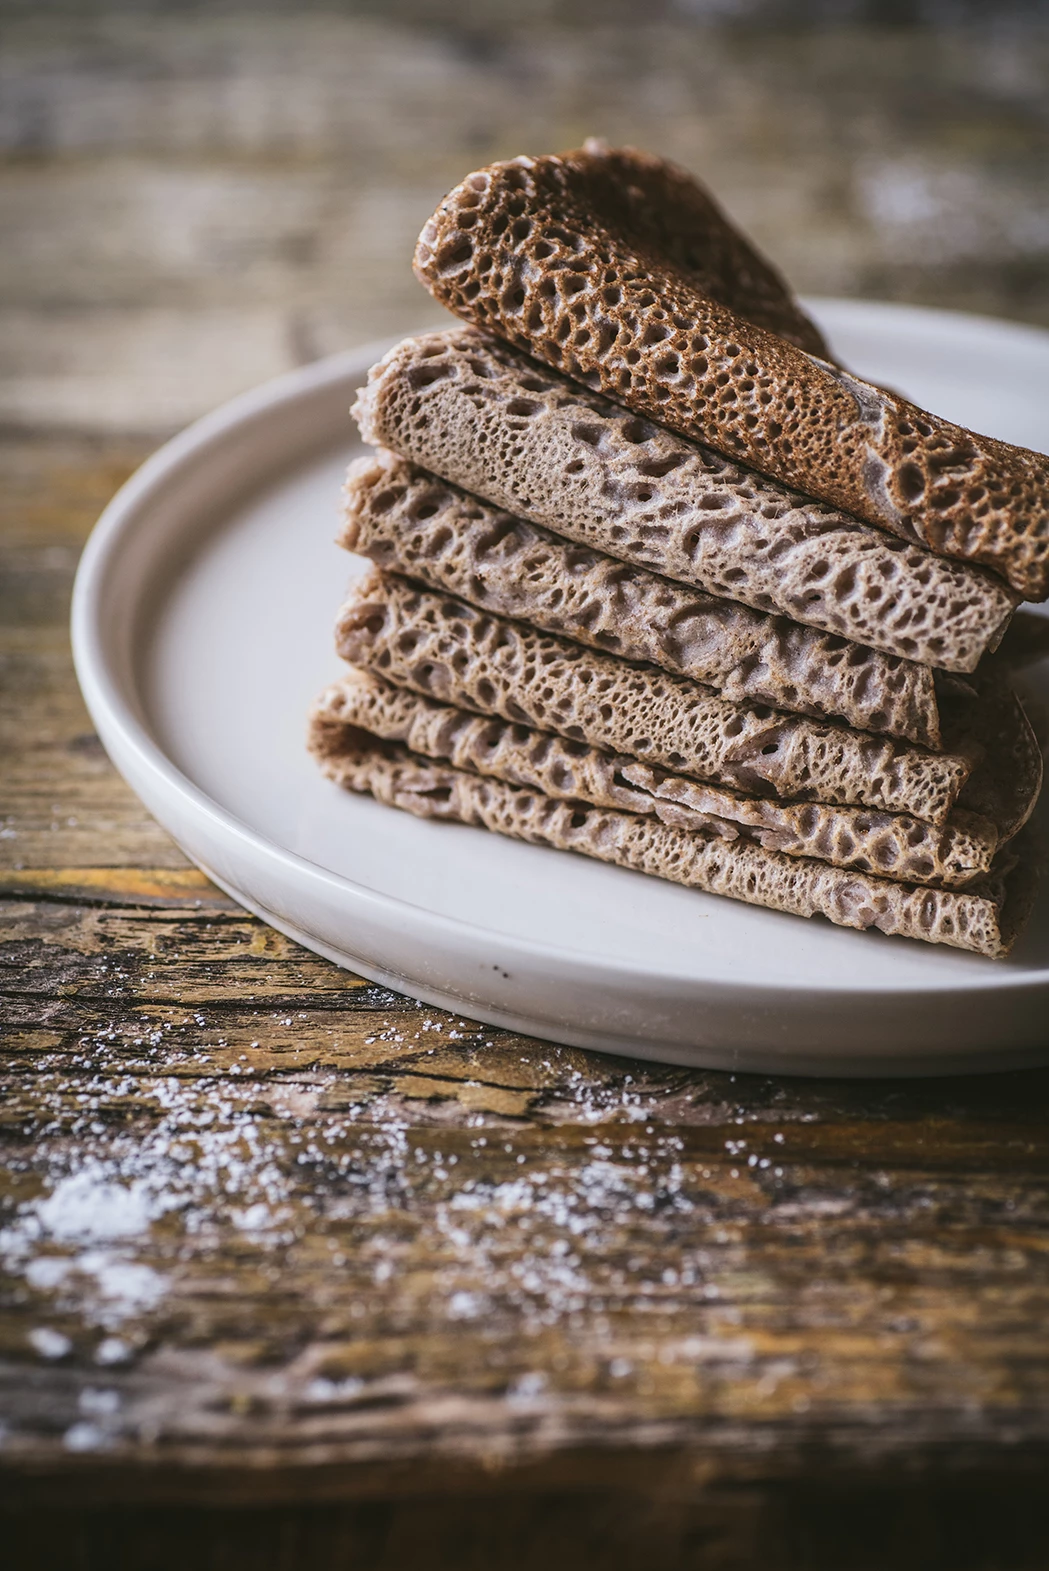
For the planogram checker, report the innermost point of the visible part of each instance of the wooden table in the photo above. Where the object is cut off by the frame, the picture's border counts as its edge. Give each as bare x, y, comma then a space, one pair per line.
295, 1270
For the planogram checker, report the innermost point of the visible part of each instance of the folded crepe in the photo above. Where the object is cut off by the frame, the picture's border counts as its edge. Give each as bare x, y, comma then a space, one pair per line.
983, 919
1005, 784
1025, 642
669, 212
410, 522
894, 846
447, 649
567, 258
483, 415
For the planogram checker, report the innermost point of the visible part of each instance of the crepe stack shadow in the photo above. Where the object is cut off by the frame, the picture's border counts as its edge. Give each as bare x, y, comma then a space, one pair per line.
633, 594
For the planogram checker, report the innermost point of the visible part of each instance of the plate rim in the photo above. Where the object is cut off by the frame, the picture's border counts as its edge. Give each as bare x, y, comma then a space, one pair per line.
114, 715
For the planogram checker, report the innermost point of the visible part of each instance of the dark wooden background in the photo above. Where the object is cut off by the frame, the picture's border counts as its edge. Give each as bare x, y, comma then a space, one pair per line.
294, 1271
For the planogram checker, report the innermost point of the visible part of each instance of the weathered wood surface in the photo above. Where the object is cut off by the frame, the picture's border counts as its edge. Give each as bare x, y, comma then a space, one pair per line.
415, 1291
195, 201
271, 1235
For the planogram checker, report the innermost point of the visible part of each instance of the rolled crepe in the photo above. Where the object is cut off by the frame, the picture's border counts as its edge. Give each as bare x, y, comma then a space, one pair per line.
556, 255
482, 414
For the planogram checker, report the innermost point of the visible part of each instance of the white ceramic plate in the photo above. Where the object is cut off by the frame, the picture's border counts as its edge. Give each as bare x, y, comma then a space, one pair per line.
202, 629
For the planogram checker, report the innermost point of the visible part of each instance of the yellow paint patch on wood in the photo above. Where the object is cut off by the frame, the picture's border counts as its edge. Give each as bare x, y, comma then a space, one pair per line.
16, 1042
123, 885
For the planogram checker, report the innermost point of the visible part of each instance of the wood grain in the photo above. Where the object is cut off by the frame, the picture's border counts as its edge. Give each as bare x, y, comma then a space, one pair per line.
197, 198
273, 1235
295, 1270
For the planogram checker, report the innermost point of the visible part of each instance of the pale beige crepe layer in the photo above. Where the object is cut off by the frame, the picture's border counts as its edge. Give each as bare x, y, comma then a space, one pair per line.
409, 521
556, 255
893, 846
446, 649
976, 919
483, 415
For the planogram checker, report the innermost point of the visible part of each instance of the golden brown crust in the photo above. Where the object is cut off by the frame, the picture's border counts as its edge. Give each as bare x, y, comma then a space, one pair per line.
532, 250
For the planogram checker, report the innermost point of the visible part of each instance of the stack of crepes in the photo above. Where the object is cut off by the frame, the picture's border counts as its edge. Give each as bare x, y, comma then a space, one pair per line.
655, 580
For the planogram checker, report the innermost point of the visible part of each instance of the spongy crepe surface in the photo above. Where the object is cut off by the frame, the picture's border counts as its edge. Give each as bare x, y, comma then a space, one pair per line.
409, 521
543, 253
482, 414
666, 210
967, 919
893, 846
449, 650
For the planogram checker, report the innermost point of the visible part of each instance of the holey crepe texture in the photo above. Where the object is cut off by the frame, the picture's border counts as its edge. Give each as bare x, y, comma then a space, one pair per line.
410, 522
561, 257
446, 649
483, 415
982, 919
892, 845
588, 625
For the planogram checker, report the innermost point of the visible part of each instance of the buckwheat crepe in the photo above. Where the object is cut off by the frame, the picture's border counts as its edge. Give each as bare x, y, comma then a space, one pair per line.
483, 415
894, 846
410, 522
558, 256
447, 649
983, 919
